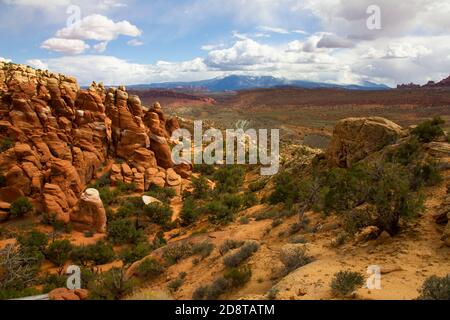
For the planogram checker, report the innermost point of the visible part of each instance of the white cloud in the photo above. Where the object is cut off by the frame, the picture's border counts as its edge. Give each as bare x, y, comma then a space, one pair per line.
135, 43
243, 53
273, 30
398, 18
4, 60
101, 46
100, 28
38, 4
38, 64
299, 31
86, 5
210, 47
66, 46
112, 70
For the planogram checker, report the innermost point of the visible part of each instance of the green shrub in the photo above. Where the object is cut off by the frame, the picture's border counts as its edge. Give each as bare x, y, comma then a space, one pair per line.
267, 215
238, 277
407, 152
217, 288
97, 254
257, 185
34, 252
34, 239
175, 253
126, 210
435, 288
108, 196
218, 212
53, 281
249, 200
294, 259
204, 169
158, 213
356, 220
429, 130
229, 179
136, 253
222, 210
244, 220
162, 194
277, 222
58, 252
346, 282
5, 144
246, 251
200, 293
345, 189
232, 201
126, 187
189, 213
123, 232
203, 249
391, 194
103, 182
230, 245
385, 186
201, 188
9, 294
286, 189
176, 284
110, 285
425, 175
150, 268
21, 207
159, 240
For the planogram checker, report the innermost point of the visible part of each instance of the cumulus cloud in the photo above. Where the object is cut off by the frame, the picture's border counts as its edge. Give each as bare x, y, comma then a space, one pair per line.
4, 60
66, 46
242, 53
38, 64
115, 71
100, 28
412, 45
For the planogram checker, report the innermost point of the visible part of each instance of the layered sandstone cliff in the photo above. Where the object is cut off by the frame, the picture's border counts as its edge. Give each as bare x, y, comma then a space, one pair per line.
55, 136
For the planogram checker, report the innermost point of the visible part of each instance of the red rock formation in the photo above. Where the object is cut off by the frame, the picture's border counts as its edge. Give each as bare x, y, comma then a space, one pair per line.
90, 212
55, 136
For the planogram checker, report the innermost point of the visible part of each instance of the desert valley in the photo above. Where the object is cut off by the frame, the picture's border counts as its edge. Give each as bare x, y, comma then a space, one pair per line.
88, 180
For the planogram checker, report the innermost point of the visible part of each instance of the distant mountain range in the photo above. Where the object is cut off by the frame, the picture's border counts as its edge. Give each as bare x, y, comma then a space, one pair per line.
235, 83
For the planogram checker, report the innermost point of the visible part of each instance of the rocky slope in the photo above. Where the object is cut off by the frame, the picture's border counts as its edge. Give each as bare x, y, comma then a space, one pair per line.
55, 136
406, 260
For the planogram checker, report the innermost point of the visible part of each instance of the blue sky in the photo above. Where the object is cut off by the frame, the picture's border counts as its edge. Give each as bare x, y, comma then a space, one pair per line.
129, 42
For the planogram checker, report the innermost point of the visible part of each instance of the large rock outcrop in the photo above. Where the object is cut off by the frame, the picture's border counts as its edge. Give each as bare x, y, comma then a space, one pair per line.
356, 138
54, 137
90, 212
